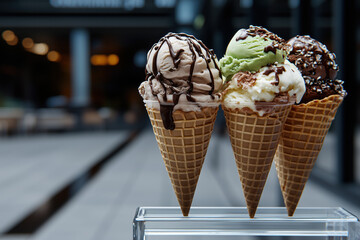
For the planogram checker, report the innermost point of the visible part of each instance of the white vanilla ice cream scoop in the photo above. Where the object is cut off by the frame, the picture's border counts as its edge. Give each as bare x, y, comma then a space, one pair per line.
277, 83
182, 74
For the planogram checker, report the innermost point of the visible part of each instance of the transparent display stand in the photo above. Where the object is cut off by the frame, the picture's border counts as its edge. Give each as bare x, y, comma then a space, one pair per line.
158, 223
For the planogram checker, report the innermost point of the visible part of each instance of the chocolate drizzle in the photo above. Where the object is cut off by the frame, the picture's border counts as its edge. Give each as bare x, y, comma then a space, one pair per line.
191, 87
174, 56
166, 115
196, 48
277, 71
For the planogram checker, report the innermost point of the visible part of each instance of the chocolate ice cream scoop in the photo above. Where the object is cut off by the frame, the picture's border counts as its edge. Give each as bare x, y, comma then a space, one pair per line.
318, 67
181, 74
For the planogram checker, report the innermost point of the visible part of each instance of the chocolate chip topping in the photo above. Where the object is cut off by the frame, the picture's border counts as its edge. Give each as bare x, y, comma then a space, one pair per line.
270, 48
196, 46
242, 35
317, 66
277, 42
277, 71
245, 79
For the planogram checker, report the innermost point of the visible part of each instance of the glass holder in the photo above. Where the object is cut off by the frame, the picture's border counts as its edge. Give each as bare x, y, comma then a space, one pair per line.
152, 223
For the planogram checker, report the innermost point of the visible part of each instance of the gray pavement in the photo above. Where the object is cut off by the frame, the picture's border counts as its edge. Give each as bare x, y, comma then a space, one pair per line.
35, 168
136, 176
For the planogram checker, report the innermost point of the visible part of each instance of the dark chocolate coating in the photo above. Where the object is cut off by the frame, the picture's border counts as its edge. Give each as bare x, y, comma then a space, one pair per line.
317, 66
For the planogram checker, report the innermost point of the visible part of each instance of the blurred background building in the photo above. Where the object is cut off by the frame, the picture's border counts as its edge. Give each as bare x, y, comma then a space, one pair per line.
69, 105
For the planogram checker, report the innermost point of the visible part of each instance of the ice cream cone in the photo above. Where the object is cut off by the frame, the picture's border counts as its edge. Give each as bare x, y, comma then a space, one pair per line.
184, 148
254, 141
300, 143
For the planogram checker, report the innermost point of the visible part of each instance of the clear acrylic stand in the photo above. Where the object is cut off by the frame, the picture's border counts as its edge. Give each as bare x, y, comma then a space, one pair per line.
156, 223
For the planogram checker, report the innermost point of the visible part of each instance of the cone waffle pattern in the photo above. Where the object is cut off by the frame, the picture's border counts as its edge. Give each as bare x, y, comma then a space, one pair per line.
300, 143
184, 148
254, 141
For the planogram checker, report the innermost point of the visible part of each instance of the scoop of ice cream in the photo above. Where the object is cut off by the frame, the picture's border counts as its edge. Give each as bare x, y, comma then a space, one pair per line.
277, 84
181, 73
318, 67
250, 49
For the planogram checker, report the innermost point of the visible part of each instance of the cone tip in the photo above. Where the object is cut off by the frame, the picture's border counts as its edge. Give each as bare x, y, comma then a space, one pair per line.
291, 211
291, 207
185, 211
252, 212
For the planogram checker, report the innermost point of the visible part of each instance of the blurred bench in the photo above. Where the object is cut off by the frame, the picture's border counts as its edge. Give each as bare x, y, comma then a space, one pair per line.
52, 119
9, 120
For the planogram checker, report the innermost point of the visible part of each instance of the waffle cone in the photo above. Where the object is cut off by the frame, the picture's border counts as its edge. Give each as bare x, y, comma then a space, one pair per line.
184, 148
300, 144
254, 141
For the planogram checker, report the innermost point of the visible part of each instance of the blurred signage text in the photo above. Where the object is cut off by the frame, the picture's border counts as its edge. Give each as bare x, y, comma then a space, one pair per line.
125, 4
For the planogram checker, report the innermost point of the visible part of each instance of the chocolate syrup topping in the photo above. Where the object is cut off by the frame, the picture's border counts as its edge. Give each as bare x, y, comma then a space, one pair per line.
317, 66
188, 93
196, 47
166, 115
174, 56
